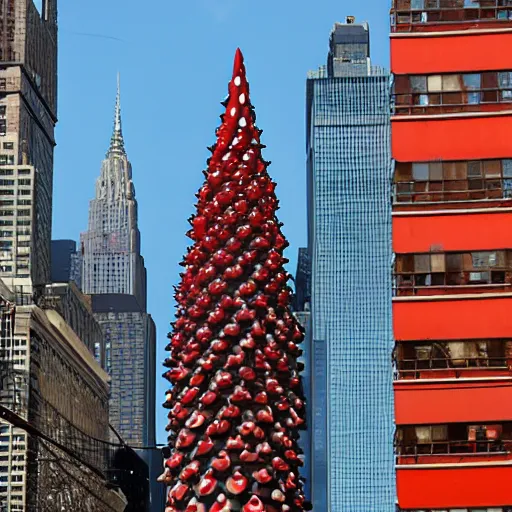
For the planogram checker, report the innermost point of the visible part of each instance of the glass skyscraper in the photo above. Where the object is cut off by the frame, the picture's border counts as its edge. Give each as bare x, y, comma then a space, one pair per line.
349, 245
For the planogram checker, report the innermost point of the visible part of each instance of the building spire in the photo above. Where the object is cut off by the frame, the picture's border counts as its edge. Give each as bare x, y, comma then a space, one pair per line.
117, 141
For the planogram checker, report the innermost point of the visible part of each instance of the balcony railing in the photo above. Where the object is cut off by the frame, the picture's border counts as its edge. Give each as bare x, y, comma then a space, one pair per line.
452, 190
435, 368
455, 272
453, 359
424, 15
479, 509
425, 443
423, 182
406, 285
491, 99
455, 448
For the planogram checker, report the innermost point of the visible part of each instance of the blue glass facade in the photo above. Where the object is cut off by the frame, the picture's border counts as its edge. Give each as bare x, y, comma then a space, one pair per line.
349, 243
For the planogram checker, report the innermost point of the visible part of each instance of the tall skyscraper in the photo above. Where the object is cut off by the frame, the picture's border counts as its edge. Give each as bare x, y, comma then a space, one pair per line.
48, 377
349, 239
452, 213
28, 110
112, 262
113, 272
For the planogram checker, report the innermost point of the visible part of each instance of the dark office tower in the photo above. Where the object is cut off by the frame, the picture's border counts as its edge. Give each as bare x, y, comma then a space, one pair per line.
130, 338
303, 281
113, 272
349, 217
28, 110
66, 262
302, 312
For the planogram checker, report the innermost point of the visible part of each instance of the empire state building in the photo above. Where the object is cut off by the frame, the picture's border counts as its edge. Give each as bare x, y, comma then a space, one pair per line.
113, 273
112, 261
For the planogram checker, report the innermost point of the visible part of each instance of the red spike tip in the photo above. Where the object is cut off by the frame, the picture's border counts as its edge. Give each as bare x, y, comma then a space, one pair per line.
238, 66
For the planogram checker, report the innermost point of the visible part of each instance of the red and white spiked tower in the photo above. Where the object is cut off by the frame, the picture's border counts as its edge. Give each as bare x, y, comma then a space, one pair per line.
236, 404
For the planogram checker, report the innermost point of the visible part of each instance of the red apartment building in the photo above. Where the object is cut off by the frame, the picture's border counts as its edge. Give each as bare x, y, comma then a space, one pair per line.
452, 236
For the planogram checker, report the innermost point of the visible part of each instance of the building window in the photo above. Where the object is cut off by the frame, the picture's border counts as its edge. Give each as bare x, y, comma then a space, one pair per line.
436, 359
505, 85
6, 172
24, 181
22, 172
451, 439
407, 14
452, 93
6, 160
3, 127
8, 145
452, 181
416, 274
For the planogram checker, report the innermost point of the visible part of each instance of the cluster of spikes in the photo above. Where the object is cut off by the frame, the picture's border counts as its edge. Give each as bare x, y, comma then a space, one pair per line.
236, 403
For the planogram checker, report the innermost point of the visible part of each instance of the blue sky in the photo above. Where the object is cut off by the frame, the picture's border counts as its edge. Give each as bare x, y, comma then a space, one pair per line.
175, 60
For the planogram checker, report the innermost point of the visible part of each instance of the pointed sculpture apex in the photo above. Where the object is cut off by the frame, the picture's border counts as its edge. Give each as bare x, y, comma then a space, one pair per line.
238, 117
238, 66
239, 62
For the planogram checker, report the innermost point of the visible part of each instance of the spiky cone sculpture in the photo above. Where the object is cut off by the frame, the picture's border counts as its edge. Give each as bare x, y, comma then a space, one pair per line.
236, 405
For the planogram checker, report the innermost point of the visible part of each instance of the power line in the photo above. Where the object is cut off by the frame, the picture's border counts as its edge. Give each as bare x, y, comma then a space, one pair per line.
87, 34
19, 422
152, 447
72, 477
